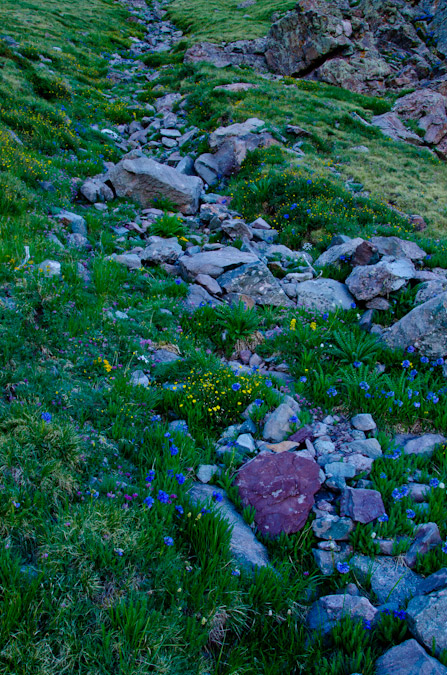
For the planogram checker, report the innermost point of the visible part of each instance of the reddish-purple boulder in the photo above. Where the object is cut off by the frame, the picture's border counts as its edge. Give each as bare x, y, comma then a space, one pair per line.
361, 505
281, 488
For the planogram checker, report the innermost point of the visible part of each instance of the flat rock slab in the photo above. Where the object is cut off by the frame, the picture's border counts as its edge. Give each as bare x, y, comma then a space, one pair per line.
256, 281
427, 619
424, 445
408, 658
215, 263
363, 506
390, 581
246, 549
281, 487
144, 179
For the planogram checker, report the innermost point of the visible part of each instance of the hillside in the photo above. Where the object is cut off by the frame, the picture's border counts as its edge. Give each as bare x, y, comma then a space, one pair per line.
223, 339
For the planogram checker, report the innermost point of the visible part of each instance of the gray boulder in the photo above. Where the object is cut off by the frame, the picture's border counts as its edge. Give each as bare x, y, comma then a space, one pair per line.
398, 248
326, 612
143, 179
256, 281
245, 548
367, 281
214, 263
424, 327
277, 425
427, 619
76, 222
161, 250
222, 134
334, 253
391, 581
323, 295
423, 445
408, 658
426, 537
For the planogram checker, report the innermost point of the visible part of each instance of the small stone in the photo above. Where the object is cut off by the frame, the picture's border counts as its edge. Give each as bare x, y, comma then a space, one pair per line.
50, 268
361, 505
332, 527
427, 536
369, 447
363, 422
205, 472
408, 658
326, 612
277, 425
245, 443
139, 378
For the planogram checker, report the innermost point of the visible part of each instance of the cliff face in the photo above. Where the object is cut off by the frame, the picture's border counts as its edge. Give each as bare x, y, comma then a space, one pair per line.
438, 24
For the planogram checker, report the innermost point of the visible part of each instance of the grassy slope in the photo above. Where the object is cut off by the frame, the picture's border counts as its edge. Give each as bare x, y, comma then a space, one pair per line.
87, 584
412, 180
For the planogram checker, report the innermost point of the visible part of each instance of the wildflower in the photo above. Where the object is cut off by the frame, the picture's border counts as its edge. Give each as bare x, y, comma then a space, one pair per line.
332, 391
236, 386
357, 364
424, 359
411, 349
293, 419
179, 509
343, 567
293, 324
313, 325
174, 450
410, 514
364, 385
16, 505
440, 362
406, 364
417, 405
383, 475
163, 497
178, 281
353, 305
434, 482
180, 478
444, 547
383, 519
150, 476
258, 402
118, 551
46, 416
217, 496
168, 541
303, 379
367, 624
268, 383
400, 614
236, 573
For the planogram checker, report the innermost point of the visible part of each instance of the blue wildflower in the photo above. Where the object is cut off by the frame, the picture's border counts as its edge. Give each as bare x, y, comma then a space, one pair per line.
411, 514
217, 496
149, 501
236, 386
383, 519
434, 482
332, 391
168, 541
179, 510
46, 416
180, 478
343, 567
163, 497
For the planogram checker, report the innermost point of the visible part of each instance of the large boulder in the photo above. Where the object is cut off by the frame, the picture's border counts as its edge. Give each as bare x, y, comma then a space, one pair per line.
143, 179
324, 295
408, 658
281, 487
214, 263
222, 134
427, 619
363, 506
398, 248
424, 327
256, 281
326, 612
161, 250
339, 253
391, 581
245, 548
368, 281
243, 52
392, 126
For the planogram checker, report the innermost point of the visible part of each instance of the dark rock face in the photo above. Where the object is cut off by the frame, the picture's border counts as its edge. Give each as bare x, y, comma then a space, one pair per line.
408, 658
361, 505
281, 488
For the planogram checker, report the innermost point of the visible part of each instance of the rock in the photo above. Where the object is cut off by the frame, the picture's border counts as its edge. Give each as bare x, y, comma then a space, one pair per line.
323, 295
236, 229
363, 506
424, 327
281, 488
327, 560
207, 167
238, 86
284, 253
277, 425
398, 248
209, 284
198, 297
130, 260
76, 223
50, 268
363, 422
214, 263
244, 547
360, 462
326, 612
165, 356
243, 52
391, 125
341, 251
77, 241
222, 134
390, 580
167, 102
369, 447
161, 251
245, 443
336, 474
429, 290
186, 166
426, 537
256, 281
366, 282
139, 378
427, 619
144, 179
379, 303
332, 527
424, 445
408, 658
95, 190
205, 472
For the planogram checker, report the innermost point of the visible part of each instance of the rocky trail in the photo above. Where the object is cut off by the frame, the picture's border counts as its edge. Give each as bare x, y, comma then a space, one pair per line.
295, 466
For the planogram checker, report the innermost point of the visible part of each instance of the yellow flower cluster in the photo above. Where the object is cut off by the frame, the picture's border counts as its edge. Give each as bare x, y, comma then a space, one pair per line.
105, 363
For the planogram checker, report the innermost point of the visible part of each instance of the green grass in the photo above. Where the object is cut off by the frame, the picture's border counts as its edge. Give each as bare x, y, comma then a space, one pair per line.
218, 21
